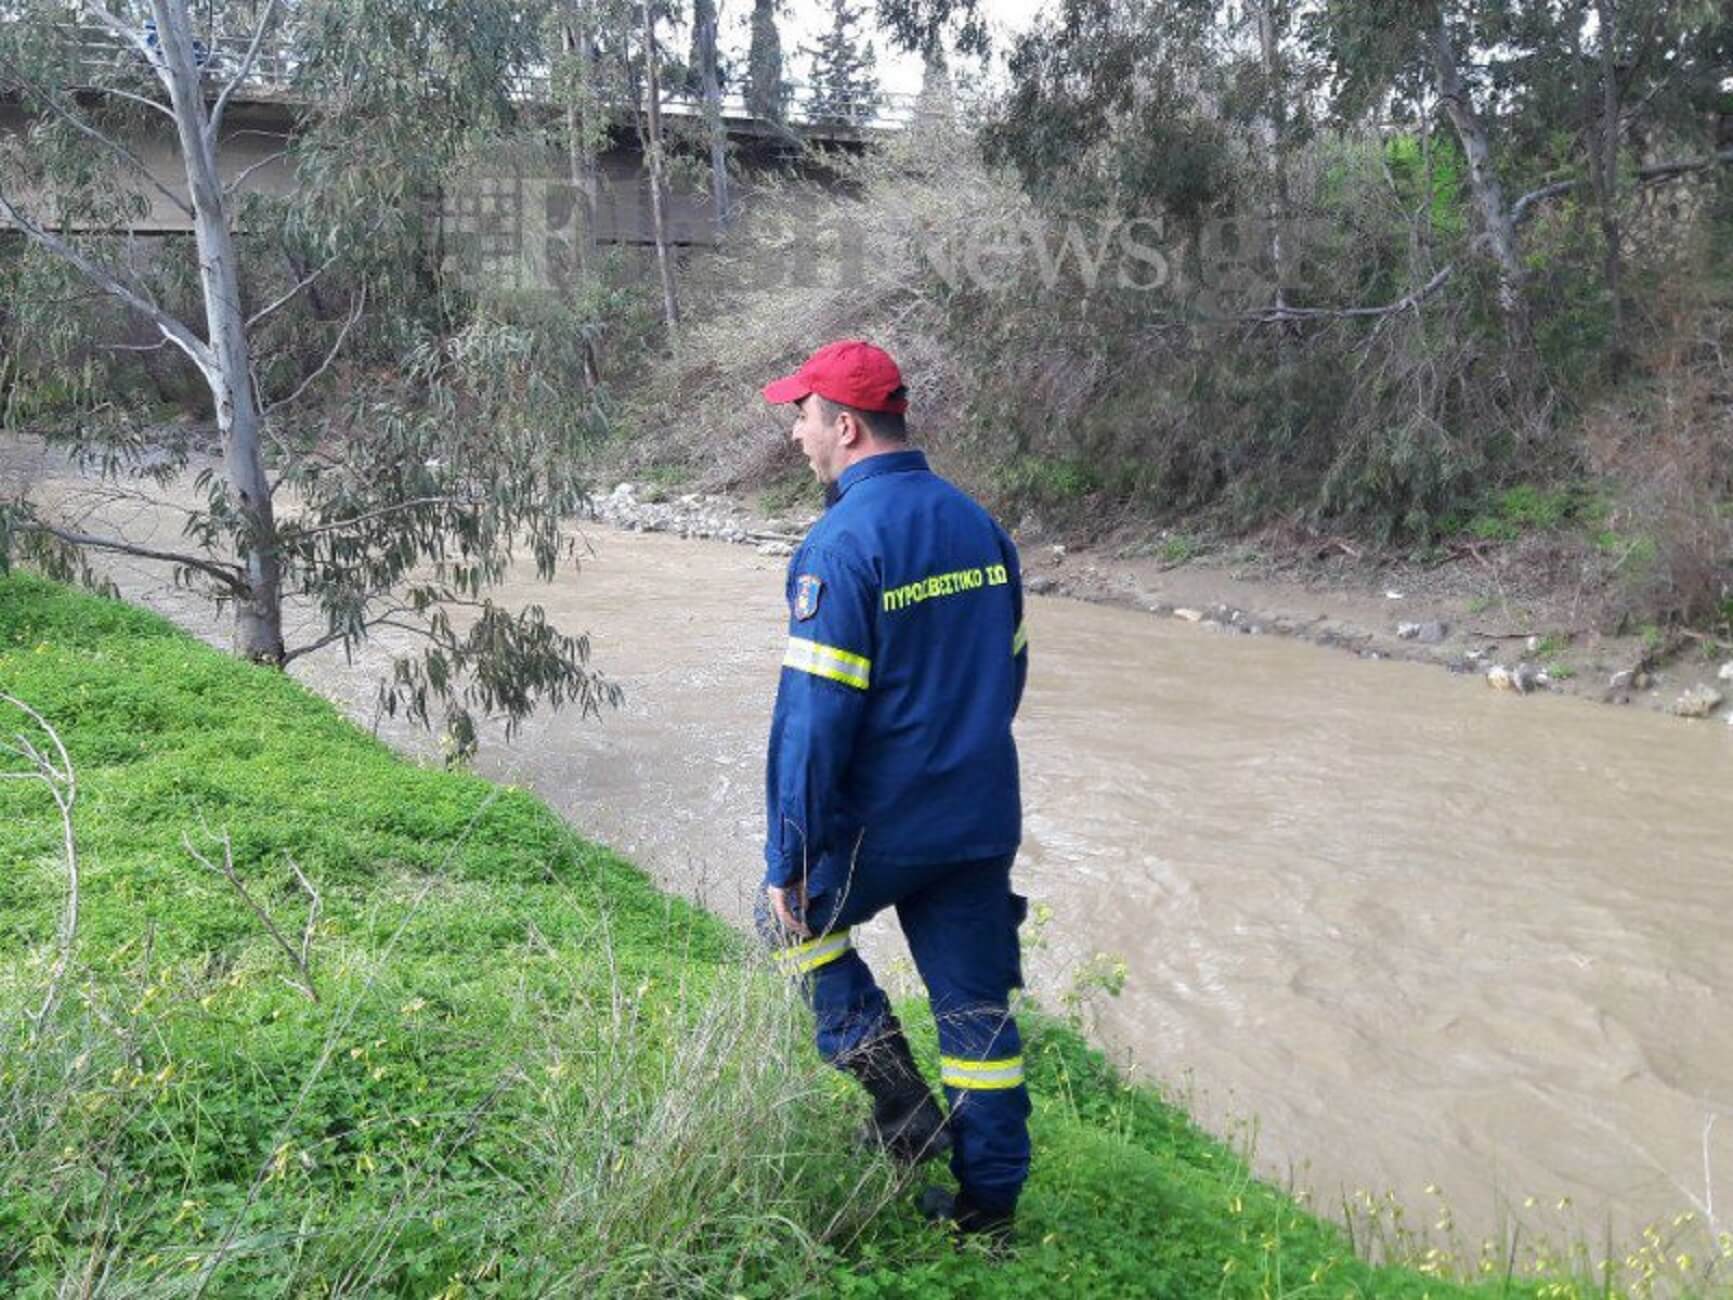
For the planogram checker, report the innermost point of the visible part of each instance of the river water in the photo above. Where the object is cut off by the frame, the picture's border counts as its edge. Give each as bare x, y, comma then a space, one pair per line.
1408, 932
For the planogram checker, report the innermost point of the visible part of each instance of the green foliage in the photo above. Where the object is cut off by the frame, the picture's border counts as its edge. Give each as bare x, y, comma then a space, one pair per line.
766, 88
1413, 162
1179, 549
1528, 507
845, 88
526, 1073
794, 491
1047, 481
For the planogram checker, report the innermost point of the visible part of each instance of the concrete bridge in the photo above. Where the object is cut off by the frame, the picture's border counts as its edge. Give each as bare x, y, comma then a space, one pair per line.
264, 111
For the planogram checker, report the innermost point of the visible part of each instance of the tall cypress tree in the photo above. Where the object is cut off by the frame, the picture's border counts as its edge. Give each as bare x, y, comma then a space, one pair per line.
766, 92
845, 89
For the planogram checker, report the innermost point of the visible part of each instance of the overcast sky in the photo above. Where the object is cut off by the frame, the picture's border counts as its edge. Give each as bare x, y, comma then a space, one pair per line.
804, 20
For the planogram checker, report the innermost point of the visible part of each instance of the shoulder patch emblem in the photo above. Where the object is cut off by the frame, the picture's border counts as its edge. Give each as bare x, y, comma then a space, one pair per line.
807, 588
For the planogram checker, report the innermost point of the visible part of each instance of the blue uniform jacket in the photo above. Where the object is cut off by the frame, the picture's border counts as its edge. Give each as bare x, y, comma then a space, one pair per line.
891, 741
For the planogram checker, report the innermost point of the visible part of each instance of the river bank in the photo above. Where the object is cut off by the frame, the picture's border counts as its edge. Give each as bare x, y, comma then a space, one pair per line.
1386, 930
1500, 613
498, 1063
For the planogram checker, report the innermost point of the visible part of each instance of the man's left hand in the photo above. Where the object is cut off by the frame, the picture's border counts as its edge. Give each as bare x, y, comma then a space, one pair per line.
784, 902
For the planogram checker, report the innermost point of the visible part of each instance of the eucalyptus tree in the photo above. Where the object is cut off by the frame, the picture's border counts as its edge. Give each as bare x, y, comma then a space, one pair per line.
1533, 91
438, 445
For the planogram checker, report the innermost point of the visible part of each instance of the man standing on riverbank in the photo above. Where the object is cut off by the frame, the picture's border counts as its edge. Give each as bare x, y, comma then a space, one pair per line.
892, 778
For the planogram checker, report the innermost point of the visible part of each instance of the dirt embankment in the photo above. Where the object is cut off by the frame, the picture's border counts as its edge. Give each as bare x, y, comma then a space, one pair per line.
1490, 613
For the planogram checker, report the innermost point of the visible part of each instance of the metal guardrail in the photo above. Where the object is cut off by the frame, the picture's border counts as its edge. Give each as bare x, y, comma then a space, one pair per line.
275, 69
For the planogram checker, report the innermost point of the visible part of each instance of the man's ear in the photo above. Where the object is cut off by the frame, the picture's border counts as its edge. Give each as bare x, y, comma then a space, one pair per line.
850, 431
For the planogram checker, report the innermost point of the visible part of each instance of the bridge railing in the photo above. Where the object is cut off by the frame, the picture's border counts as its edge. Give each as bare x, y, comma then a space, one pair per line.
99, 51
276, 67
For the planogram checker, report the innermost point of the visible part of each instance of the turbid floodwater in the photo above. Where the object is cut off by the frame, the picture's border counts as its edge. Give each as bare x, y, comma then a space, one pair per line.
1413, 932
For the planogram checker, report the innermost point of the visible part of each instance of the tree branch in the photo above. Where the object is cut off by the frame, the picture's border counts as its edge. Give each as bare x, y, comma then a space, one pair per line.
355, 315
311, 276
146, 100
230, 576
114, 146
125, 32
1653, 174
215, 123
172, 329
290, 533
235, 184
228, 872
1519, 209
1658, 172
1278, 315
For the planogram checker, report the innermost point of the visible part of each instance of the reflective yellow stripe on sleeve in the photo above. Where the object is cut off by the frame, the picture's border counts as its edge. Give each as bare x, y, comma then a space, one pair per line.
799, 958
827, 661
1020, 639
981, 1076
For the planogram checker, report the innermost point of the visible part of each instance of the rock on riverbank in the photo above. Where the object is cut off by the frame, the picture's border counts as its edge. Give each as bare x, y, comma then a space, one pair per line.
1523, 642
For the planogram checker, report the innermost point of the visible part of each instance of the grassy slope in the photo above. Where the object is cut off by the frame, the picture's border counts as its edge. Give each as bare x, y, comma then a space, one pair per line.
528, 1071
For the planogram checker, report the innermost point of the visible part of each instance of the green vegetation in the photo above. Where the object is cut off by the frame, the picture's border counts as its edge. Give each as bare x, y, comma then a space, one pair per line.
525, 1070
1528, 508
795, 491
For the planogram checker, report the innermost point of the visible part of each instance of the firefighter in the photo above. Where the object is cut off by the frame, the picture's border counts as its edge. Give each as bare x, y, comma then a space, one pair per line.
892, 779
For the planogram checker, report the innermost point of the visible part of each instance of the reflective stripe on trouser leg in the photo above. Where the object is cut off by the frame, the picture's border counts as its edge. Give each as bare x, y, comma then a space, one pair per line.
962, 931
845, 999
981, 1076
803, 958
981, 1067
847, 1003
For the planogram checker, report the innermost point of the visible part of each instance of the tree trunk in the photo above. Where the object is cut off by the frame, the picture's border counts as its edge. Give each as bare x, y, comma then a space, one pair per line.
258, 615
580, 161
1604, 171
712, 87
581, 172
653, 153
1488, 191
1275, 143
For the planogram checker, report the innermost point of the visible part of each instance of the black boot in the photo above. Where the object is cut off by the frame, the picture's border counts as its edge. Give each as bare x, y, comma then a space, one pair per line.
906, 1121
970, 1221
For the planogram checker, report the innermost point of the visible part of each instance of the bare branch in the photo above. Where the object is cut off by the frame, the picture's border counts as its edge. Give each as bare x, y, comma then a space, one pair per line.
305, 384
62, 784
215, 123
115, 27
1653, 174
1277, 315
228, 872
1657, 172
146, 100
239, 180
315, 903
1519, 209
290, 534
134, 347
308, 279
108, 142
231, 576
172, 329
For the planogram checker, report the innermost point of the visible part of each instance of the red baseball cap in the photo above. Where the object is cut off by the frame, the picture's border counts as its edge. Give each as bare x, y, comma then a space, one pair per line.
852, 372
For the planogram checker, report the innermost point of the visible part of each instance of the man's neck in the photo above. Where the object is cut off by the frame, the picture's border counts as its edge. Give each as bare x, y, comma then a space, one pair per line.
868, 450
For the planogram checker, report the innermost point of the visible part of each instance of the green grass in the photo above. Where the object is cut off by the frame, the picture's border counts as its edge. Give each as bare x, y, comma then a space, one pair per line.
527, 1072
1527, 508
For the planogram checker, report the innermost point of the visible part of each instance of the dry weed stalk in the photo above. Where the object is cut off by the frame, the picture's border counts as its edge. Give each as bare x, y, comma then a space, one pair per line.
300, 958
61, 781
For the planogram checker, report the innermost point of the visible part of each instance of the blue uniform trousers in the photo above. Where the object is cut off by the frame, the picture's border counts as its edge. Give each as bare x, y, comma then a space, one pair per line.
961, 924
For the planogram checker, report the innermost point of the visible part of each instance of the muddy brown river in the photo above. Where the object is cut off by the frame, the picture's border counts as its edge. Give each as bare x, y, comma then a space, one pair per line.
1404, 931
